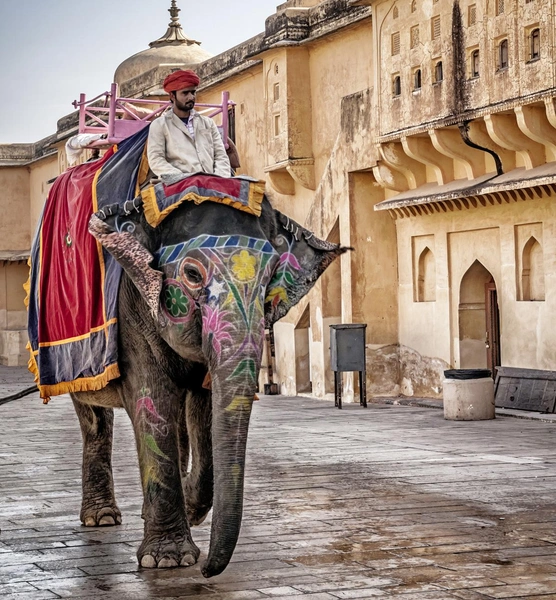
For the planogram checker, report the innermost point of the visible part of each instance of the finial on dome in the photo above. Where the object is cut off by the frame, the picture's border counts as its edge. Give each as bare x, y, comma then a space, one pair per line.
175, 34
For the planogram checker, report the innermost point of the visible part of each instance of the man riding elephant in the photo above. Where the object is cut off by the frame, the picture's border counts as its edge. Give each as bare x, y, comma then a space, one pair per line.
182, 141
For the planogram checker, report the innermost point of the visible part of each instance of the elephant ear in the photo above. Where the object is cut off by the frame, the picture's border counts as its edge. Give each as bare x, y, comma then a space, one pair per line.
303, 259
119, 240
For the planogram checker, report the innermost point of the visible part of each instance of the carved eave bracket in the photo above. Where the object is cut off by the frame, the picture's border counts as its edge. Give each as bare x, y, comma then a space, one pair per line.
284, 175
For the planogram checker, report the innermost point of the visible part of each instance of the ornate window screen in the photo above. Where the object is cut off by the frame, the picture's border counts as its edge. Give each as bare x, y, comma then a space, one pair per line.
414, 37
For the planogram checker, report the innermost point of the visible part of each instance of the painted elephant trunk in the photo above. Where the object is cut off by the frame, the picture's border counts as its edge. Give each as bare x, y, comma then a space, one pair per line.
233, 339
230, 423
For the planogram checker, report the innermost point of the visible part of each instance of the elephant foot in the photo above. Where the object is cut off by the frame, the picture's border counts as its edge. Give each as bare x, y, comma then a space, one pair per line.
101, 516
166, 552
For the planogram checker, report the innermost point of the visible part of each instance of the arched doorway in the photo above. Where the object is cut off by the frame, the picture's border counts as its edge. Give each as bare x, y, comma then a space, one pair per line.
303, 353
331, 287
479, 320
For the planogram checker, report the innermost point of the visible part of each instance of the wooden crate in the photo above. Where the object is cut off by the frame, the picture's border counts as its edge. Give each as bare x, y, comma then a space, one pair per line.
525, 389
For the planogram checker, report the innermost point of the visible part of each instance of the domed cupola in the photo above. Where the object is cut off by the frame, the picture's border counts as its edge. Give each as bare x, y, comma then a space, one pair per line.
174, 47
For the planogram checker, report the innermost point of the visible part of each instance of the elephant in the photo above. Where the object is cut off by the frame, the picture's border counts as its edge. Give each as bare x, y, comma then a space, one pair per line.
195, 297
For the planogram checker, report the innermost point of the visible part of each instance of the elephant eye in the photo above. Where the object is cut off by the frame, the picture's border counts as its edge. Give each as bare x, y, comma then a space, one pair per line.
193, 275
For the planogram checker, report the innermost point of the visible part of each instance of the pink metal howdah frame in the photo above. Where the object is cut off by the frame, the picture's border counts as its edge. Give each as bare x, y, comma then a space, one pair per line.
106, 118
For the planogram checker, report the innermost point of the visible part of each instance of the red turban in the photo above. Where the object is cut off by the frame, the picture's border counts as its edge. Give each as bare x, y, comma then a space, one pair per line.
180, 80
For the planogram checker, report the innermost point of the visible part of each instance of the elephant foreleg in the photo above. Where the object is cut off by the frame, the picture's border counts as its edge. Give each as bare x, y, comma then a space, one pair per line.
98, 506
155, 413
183, 442
199, 483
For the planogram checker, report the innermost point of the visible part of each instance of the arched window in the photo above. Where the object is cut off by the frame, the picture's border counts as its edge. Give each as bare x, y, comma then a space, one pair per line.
438, 72
532, 273
417, 79
396, 86
413, 6
535, 44
426, 283
396, 12
474, 66
503, 55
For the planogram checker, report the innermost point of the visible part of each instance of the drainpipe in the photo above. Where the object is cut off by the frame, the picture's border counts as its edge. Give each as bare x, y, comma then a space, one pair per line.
464, 132
459, 90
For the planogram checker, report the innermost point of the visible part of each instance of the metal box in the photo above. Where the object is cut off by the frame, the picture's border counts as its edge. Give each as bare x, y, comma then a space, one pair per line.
347, 347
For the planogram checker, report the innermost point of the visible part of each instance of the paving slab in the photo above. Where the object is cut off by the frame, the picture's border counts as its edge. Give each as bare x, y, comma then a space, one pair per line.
391, 502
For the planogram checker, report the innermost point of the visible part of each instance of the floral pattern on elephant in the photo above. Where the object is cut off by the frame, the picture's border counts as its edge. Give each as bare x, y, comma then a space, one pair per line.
244, 265
156, 426
177, 304
235, 273
284, 276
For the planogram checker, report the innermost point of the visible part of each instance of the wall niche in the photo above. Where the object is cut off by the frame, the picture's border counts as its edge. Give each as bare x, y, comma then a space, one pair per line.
530, 262
424, 269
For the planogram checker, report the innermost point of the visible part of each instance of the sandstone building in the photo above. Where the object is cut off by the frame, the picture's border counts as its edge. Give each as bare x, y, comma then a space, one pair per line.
421, 133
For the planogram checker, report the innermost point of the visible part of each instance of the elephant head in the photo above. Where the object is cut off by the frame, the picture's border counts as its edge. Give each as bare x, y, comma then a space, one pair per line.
213, 278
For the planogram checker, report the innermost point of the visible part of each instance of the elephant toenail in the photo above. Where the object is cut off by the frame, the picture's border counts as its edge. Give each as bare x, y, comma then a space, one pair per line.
89, 522
188, 560
106, 521
167, 563
148, 562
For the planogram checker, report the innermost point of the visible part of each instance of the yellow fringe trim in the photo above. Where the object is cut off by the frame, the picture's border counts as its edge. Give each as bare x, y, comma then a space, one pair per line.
154, 216
27, 286
32, 363
99, 245
256, 194
84, 384
150, 207
144, 170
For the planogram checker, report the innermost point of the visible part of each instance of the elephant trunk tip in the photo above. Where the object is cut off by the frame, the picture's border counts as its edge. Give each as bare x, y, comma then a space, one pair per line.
212, 568
219, 556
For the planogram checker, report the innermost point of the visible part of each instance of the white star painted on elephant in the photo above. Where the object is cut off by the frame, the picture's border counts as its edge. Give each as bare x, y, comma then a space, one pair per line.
216, 288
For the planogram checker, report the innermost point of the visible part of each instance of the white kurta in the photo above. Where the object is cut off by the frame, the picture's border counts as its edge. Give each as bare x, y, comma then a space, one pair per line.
172, 150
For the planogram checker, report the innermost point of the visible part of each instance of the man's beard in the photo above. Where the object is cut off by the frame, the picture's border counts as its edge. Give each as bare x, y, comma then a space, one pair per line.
185, 106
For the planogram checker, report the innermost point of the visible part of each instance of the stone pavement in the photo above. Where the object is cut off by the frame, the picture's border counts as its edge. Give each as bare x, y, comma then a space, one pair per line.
391, 502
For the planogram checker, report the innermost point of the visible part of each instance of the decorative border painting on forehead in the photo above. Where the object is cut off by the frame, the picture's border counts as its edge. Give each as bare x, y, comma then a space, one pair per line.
171, 254
243, 193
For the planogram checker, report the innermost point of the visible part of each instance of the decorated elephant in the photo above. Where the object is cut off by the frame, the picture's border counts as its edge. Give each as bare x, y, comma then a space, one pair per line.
195, 297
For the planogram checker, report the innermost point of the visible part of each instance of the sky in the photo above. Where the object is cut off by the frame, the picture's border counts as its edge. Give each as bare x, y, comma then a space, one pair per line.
53, 50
